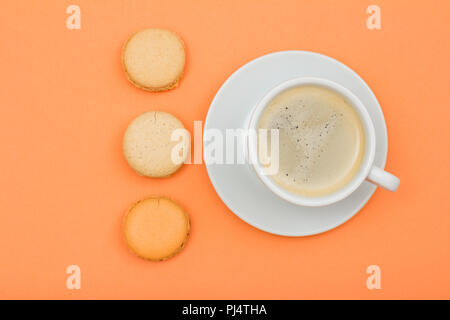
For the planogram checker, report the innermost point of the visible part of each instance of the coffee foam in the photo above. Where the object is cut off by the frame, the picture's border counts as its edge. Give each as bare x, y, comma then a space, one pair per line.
321, 139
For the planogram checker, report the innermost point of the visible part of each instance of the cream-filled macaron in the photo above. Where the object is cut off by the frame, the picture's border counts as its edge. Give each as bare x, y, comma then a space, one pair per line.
156, 144
156, 228
154, 59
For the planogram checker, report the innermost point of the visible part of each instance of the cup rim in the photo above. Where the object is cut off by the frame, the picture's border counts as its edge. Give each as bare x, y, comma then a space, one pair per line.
369, 153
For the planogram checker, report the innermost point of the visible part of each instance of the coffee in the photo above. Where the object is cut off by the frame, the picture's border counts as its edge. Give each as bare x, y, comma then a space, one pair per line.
321, 139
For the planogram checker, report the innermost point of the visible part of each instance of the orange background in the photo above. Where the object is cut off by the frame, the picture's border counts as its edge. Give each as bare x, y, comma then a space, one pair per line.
65, 104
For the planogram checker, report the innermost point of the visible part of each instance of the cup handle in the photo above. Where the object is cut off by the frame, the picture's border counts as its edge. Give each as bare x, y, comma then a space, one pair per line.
383, 179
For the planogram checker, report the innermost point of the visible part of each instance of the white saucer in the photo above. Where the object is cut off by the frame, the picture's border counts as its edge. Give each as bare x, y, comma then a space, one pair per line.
239, 187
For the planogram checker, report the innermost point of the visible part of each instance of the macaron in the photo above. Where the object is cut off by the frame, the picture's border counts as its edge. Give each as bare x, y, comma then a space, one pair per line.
154, 59
156, 228
155, 144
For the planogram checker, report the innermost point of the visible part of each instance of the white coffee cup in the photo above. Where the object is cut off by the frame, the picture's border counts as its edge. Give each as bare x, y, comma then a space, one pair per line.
367, 170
